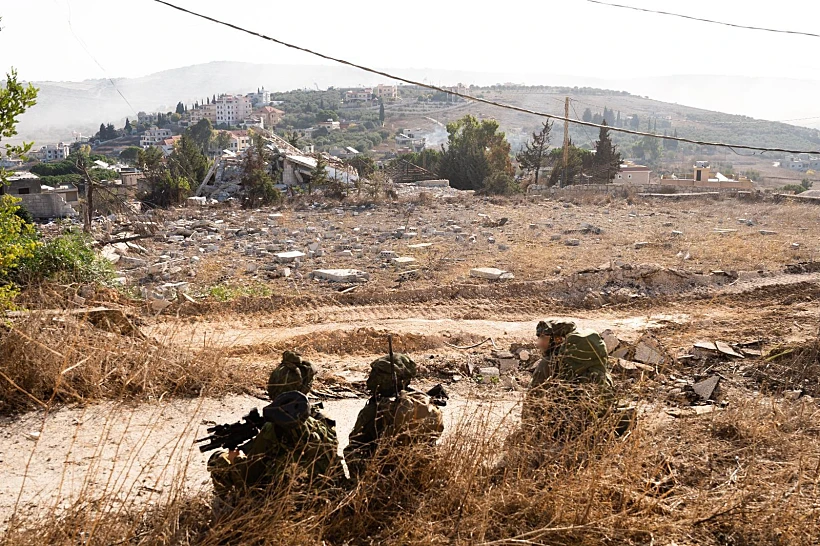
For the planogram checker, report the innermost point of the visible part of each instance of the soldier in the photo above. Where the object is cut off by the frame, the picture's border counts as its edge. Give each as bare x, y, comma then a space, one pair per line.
394, 410
294, 431
571, 382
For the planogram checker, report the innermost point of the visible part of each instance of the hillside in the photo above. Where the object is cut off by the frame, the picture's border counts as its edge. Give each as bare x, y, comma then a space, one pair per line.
65, 107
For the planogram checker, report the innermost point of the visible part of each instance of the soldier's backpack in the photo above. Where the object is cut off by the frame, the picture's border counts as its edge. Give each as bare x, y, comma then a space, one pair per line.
584, 356
415, 418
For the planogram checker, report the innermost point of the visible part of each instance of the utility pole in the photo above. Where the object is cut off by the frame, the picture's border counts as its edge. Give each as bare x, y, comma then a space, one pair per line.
566, 142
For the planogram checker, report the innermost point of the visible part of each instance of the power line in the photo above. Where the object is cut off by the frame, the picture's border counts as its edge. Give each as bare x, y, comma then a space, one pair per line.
692, 18
470, 97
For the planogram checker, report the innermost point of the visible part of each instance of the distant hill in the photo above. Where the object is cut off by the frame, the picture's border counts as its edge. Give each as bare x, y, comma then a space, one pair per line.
64, 107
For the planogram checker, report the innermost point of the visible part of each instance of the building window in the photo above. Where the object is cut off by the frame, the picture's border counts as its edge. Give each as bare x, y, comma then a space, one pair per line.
23, 191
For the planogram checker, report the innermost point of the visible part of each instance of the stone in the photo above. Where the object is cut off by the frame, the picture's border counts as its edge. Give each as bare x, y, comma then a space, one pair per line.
33, 435
340, 275
647, 354
767, 232
610, 340
420, 245
706, 388
572, 242
524, 355
403, 260
110, 254
792, 395
555, 237
159, 305
132, 263
639, 245
489, 374
287, 257
677, 233
726, 349
489, 273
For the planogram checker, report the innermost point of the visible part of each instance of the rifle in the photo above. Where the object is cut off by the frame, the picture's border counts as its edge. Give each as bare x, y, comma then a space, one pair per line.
234, 435
237, 435
392, 362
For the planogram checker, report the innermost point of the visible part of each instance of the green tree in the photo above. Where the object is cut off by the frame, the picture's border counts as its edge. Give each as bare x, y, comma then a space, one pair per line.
364, 165
579, 162
806, 183
188, 161
474, 151
607, 160
536, 152
17, 237
180, 108
318, 176
635, 122
130, 155
127, 127
259, 185
222, 140
587, 115
381, 112
202, 132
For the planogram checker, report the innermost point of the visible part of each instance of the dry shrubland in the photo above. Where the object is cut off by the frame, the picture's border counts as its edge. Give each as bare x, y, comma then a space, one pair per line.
746, 475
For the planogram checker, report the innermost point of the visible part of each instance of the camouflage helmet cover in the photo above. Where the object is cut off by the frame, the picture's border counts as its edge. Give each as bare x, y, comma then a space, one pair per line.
555, 328
293, 374
381, 378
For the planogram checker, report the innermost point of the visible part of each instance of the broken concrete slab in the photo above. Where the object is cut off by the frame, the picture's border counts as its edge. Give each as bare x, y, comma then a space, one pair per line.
649, 351
420, 245
403, 260
767, 232
489, 273
340, 275
706, 388
287, 257
726, 349
489, 374
640, 244
610, 340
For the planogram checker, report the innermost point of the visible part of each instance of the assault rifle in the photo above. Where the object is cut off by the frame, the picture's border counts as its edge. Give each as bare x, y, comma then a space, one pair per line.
235, 435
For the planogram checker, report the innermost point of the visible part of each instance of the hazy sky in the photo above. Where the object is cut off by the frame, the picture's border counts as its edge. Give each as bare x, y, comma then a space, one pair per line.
575, 37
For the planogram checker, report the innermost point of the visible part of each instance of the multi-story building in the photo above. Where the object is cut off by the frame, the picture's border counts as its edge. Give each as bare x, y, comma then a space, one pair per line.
232, 109
260, 98
270, 115
802, 162
386, 92
631, 173
359, 95
52, 152
154, 135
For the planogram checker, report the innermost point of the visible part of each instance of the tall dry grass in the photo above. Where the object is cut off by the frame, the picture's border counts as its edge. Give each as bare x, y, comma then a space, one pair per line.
746, 475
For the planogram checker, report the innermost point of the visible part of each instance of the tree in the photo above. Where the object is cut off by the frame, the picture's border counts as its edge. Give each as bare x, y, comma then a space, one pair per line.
381, 112
17, 237
259, 185
130, 154
202, 134
188, 161
806, 183
222, 140
102, 132
180, 108
579, 161
535, 154
318, 176
587, 115
364, 165
618, 119
127, 126
292, 138
607, 160
635, 122
474, 150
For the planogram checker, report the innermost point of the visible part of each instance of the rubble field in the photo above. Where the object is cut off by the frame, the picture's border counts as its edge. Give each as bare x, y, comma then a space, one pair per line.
708, 309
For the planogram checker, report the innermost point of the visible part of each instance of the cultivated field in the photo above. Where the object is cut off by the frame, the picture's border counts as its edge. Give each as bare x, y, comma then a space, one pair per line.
96, 441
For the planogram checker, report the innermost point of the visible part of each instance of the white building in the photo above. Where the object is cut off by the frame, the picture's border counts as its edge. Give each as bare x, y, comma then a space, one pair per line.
260, 98
359, 95
232, 109
631, 173
240, 141
154, 135
802, 162
52, 152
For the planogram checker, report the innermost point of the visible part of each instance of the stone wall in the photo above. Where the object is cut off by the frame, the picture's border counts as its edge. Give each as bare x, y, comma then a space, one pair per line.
47, 205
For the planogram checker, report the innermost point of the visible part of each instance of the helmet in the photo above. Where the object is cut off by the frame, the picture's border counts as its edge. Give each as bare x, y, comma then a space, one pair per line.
381, 378
293, 374
288, 409
554, 328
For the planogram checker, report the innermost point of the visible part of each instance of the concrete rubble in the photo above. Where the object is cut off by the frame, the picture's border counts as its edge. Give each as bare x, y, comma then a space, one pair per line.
490, 273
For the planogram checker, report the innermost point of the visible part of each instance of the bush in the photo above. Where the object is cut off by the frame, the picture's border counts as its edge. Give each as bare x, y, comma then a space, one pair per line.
18, 242
500, 183
66, 258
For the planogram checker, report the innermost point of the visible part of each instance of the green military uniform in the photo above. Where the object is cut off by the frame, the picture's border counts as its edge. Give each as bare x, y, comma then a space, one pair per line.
391, 411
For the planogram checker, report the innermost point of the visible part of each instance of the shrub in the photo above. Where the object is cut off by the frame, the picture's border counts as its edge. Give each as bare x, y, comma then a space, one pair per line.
18, 242
500, 183
66, 258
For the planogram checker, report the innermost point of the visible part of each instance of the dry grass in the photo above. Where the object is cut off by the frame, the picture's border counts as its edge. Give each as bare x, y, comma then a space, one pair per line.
747, 475
50, 358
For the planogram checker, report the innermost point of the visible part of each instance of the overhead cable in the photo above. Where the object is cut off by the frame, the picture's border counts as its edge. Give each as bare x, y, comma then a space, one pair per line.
702, 20
477, 99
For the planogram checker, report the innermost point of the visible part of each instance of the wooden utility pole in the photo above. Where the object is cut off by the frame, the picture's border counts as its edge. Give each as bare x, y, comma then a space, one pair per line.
566, 142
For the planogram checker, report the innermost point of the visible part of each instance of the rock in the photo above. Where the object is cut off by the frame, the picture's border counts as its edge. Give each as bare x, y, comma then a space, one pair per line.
132, 263
489, 374
677, 233
639, 245
767, 232
726, 349
33, 435
555, 237
403, 260
524, 355
159, 305
506, 361
706, 388
647, 351
489, 273
110, 254
340, 275
573, 242
792, 395
593, 300
287, 257
420, 245
610, 340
